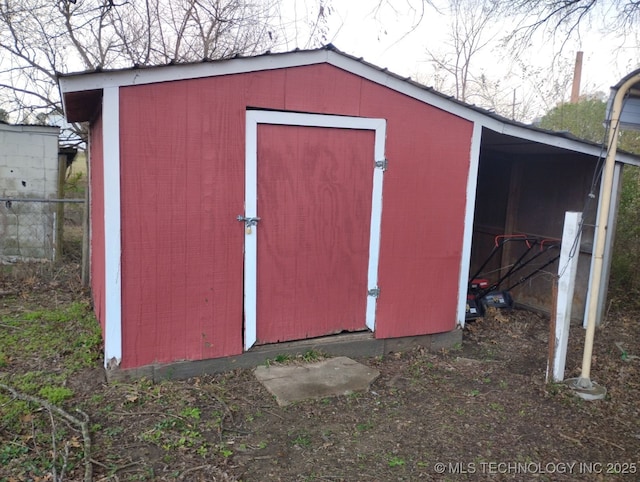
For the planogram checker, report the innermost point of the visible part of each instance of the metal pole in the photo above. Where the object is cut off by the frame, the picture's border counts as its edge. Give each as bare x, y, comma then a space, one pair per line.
583, 385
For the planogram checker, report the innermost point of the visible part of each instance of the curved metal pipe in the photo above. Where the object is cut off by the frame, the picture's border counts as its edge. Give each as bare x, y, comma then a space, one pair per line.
601, 227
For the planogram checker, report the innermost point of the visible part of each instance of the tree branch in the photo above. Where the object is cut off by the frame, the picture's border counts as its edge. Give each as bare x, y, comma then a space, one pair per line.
82, 424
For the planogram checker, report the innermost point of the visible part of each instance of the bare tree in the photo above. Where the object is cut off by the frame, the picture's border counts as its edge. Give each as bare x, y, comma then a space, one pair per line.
469, 34
563, 15
40, 38
566, 16
304, 24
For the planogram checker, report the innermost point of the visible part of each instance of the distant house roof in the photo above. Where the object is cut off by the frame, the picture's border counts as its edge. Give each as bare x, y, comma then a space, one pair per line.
630, 115
48, 130
82, 93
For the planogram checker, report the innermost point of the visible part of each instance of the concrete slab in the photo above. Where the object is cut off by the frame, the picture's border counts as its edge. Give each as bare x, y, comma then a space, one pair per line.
327, 378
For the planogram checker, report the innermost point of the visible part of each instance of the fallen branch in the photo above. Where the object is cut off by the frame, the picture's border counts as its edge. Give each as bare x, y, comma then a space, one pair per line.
194, 469
574, 440
11, 326
111, 471
607, 442
82, 424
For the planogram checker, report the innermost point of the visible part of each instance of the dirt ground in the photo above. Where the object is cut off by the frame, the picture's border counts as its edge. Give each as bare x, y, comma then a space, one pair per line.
481, 411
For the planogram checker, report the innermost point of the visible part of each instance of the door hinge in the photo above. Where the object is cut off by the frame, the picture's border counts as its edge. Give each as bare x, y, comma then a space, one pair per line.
375, 292
381, 164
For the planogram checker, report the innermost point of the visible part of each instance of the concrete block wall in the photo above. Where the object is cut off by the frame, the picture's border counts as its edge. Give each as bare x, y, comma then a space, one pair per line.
28, 170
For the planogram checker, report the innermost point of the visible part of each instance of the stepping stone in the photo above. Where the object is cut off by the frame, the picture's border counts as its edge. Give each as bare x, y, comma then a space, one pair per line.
326, 378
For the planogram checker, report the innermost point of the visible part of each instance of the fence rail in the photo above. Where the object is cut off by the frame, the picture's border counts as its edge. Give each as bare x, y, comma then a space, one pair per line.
32, 200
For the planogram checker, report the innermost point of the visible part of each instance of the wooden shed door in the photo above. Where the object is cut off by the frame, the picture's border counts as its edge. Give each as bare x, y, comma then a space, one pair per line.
314, 203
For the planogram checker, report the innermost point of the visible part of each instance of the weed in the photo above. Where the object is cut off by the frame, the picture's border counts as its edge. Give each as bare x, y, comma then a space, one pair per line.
72, 337
12, 450
13, 412
312, 355
416, 369
553, 389
475, 392
306, 357
192, 413
284, 358
354, 396
363, 427
203, 450
225, 451
496, 406
55, 395
395, 461
302, 440
113, 431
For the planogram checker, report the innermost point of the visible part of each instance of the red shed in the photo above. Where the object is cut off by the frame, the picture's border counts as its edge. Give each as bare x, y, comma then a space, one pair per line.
254, 201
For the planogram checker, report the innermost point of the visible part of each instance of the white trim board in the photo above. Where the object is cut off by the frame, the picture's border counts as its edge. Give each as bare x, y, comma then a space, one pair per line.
112, 246
255, 117
470, 210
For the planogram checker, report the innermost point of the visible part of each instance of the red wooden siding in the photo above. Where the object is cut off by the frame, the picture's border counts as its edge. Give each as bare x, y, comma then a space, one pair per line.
97, 220
182, 174
314, 204
422, 215
182, 188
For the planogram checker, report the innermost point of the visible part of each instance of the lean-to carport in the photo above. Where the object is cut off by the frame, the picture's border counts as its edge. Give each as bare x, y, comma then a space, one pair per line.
527, 179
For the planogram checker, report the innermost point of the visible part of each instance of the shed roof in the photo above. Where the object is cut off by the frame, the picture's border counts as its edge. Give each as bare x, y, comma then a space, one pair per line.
82, 93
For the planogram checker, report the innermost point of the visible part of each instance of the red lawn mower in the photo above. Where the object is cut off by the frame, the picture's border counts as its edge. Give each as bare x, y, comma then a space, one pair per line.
483, 293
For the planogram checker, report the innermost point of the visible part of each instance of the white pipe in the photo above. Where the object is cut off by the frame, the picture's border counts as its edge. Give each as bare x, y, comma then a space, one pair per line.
601, 228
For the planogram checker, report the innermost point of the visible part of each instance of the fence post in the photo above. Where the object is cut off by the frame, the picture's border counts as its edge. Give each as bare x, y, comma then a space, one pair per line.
86, 227
59, 220
567, 268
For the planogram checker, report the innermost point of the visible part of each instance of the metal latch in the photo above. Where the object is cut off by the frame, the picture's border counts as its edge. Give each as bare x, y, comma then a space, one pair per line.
375, 292
248, 222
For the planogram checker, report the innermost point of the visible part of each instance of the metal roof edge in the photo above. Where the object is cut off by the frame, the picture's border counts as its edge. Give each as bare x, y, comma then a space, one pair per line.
96, 80
47, 130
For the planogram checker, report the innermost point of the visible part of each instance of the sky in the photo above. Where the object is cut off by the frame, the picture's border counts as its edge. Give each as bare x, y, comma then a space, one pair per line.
396, 38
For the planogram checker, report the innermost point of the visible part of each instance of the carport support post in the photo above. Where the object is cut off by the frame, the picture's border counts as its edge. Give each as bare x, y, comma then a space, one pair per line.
567, 269
583, 386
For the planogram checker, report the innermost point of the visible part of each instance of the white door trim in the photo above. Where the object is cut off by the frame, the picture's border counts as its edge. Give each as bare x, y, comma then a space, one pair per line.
255, 117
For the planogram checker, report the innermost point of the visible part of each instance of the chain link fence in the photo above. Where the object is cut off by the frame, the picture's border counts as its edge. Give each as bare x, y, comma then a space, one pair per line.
36, 229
